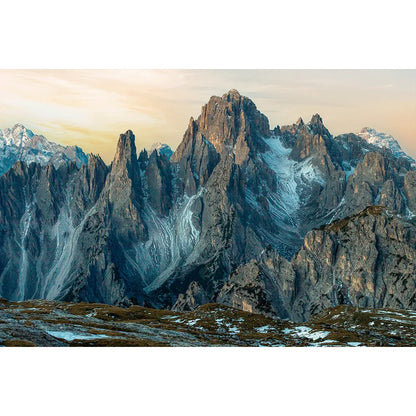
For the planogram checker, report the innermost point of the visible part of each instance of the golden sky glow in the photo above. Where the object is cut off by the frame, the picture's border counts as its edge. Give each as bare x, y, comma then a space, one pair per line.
91, 108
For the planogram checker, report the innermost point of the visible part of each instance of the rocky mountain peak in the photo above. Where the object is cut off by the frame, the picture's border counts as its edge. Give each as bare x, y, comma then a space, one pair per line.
367, 130
95, 160
300, 122
124, 177
317, 126
232, 122
316, 119
18, 135
229, 128
364, 264
387, 141
126, 150
232, 96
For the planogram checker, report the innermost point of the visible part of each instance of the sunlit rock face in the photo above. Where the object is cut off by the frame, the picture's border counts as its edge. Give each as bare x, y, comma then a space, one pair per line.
223, 218
366, 260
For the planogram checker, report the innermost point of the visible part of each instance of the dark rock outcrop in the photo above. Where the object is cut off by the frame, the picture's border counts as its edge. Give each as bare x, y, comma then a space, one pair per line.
265, 286
194, 297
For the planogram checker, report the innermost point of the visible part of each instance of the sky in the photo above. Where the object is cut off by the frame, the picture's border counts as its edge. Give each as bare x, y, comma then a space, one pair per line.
90, 108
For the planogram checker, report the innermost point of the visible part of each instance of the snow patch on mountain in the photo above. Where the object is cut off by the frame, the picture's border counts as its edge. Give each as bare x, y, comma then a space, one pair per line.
348, 169
71, 336
283, 201
23, 269
291, 177
171, 240
286, 201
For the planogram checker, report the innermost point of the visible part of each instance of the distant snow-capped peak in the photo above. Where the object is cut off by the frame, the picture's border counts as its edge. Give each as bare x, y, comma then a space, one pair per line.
383, 140
18, 135
162, 149
20, 143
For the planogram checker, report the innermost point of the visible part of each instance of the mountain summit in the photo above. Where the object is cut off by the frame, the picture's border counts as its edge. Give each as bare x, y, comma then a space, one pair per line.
18, 135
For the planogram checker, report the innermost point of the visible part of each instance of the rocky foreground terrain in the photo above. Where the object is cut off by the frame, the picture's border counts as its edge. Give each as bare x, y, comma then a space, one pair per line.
60, 324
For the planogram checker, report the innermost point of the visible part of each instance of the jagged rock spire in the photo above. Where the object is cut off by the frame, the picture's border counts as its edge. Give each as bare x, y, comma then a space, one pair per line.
300, 122
230, 127
125, 163
317, 126
126, 149
316, 119
232, 96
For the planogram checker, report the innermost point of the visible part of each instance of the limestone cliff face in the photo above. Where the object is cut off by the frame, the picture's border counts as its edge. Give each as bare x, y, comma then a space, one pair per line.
410, 190
34, 216
160, 186
299, 178
196, 158
232, 124
228, 127
367, 260
60, 230
377, 179
265, 286
194, 297
87, 186
122, 191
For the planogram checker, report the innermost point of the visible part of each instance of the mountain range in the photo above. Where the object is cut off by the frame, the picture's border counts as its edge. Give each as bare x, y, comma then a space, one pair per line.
284, 221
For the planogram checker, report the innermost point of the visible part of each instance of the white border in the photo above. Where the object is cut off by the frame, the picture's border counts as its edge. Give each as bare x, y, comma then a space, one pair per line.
214, 34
